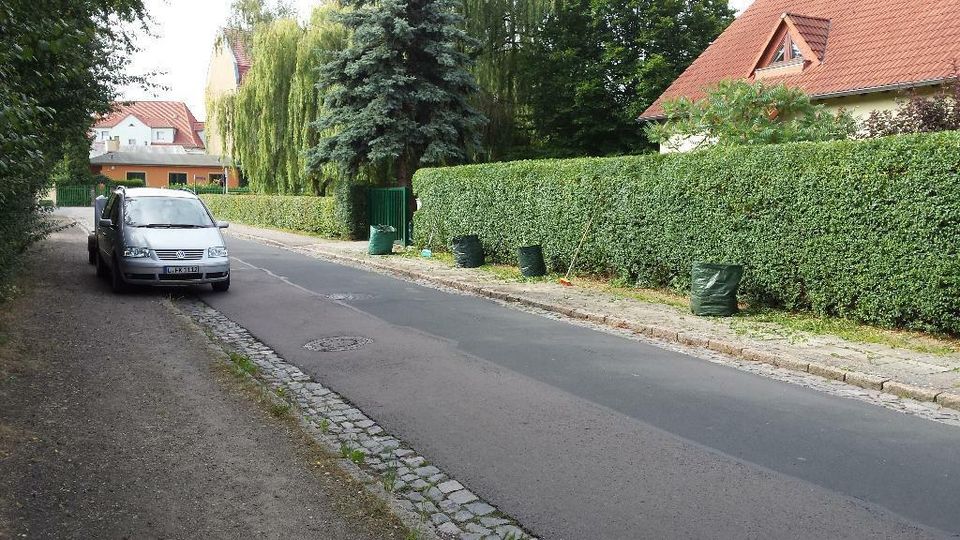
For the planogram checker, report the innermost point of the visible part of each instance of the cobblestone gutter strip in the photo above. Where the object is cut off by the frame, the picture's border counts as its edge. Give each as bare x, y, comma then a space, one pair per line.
864, 380
444, 506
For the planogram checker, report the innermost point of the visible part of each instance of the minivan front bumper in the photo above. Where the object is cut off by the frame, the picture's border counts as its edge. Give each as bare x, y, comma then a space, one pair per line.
149, 271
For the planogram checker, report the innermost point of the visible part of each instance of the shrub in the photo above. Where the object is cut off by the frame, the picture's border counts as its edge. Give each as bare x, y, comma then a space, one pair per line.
125, 183
867, 230
300, 213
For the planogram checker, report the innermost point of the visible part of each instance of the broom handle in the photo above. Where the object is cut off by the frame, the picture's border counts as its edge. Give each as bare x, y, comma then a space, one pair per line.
586, 231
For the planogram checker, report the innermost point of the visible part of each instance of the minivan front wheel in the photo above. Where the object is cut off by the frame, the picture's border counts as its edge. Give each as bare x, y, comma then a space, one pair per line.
221, 286
117, 284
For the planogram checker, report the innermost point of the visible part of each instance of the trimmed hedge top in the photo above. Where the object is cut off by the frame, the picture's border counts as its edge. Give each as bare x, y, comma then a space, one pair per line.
866, 230
301, 213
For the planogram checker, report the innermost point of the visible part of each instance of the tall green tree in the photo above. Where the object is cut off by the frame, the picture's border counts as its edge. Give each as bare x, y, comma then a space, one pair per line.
595, 65
398, 96
61, 62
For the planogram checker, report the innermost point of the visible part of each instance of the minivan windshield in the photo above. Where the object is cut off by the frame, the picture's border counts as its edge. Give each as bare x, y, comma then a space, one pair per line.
165, 212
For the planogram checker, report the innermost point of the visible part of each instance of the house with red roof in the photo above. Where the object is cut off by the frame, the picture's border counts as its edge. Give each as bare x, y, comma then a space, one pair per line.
859, 55
150, 123
229, 63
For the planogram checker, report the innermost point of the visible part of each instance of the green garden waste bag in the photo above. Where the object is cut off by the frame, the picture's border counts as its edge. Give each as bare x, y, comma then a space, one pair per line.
467, 251
531, 263
381, 240
713, 289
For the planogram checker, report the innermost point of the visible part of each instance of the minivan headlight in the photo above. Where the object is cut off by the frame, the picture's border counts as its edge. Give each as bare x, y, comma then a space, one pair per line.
217, 251
136, 252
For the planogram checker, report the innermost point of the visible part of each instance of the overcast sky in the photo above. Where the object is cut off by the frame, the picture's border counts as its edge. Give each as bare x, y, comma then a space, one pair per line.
184, 31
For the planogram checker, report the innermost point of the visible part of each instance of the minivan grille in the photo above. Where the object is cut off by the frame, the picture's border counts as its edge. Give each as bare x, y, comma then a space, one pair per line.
171, 254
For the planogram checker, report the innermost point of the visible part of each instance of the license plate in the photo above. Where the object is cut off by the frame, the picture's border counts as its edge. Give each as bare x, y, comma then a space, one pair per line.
181, 269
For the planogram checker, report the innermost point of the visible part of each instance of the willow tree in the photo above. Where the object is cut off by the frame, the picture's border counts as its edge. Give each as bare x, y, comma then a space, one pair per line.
268, 121
323, 37
503, 29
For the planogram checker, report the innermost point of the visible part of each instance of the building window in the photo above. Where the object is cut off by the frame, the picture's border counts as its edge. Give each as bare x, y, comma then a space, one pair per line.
131, 175
786, 52
132, 142
177, 179
216, 178
104, 134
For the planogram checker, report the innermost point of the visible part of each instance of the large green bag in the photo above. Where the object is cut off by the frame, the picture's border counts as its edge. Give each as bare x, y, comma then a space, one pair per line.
467, 251
713, 289
531, 262
381, 240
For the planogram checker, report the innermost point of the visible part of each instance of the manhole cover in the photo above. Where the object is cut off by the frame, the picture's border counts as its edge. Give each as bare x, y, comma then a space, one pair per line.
347, 296
337, 344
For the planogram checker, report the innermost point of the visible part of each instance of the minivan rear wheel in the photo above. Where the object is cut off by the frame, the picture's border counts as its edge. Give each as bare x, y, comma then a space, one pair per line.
101, 266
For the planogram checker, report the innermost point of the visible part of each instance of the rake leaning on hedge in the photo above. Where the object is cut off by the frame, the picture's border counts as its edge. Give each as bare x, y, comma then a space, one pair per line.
864, 230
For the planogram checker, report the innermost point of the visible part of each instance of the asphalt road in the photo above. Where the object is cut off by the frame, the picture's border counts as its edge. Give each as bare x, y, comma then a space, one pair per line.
583, 434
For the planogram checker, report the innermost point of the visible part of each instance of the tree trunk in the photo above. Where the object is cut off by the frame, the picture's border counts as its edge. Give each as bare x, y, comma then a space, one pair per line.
405, 180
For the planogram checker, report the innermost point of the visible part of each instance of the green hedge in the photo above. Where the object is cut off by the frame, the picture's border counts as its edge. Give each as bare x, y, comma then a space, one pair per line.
301, 213
868, 230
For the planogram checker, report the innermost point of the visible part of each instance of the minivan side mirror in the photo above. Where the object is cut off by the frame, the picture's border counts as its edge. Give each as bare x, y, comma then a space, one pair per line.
222, 224
106, 222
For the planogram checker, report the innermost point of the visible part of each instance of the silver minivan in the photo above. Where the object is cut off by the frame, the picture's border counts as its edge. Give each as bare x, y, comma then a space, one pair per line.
149, 236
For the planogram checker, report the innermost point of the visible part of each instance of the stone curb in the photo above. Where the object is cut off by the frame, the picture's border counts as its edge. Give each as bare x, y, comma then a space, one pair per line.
855, 378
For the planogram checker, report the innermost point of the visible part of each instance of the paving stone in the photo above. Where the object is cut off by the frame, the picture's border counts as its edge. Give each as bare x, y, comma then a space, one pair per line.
427, 507
448, 506
427, 471
418, 484
364, 424
480, 508
413, 461
439, 477
448, 528
474, 528
462, 516
493, 521
439, 518
434, 494
450, 486
413, 496
462, 497
509, 530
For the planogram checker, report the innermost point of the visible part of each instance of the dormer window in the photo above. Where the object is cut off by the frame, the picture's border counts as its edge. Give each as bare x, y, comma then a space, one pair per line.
796, 43
786, 52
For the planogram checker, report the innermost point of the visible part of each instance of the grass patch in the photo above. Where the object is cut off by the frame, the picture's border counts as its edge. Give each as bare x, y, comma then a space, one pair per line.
243, 364
279, 410
797, 326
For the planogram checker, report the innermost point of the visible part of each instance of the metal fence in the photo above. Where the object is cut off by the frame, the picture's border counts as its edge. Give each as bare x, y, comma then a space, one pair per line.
79, 195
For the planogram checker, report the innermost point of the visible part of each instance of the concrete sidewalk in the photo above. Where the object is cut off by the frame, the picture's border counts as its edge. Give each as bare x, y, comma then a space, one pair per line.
907, 373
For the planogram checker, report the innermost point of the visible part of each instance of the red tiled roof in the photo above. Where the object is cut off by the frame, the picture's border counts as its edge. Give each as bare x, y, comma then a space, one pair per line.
158, 114
813, 30
236, 44
865, 45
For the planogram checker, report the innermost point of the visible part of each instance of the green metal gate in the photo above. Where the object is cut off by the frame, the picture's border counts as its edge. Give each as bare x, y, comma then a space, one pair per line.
79, 195
388, 206
75, 195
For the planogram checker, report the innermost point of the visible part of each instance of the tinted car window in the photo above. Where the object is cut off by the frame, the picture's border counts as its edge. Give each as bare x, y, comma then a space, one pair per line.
165, 211
109, 207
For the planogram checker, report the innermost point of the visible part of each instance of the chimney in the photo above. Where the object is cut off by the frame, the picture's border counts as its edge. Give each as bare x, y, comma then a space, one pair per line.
112, 144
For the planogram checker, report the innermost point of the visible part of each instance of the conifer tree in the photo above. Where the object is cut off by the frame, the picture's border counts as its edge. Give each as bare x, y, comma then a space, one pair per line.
398, 96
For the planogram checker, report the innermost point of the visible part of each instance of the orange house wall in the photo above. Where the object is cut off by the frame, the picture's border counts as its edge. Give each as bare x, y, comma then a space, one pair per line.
157, 174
